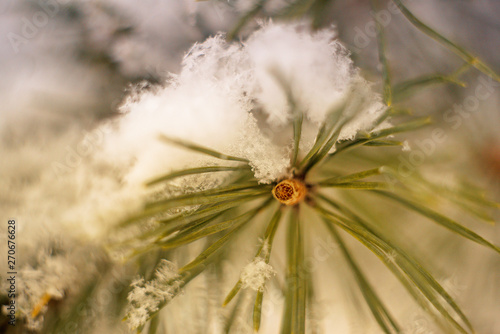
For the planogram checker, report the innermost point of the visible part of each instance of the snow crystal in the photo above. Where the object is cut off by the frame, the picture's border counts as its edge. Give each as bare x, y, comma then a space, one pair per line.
146, 297
406, 146
269, 161
255, 274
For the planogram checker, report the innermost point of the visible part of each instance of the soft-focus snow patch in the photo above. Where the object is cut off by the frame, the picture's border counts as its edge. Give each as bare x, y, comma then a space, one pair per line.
53, 275
37, 286
231, 97
256, 273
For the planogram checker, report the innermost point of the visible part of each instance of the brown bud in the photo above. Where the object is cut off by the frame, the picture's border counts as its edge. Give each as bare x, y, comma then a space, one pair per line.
290, 192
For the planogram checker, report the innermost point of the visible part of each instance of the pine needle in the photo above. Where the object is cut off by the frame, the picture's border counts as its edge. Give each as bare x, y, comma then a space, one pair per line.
461, 52
200, 149
192, 171
378, 309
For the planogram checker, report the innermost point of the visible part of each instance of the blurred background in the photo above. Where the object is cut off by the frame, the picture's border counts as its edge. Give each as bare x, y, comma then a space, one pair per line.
67, 65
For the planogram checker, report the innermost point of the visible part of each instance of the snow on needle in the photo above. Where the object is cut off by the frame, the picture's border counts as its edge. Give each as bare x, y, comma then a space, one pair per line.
262, 135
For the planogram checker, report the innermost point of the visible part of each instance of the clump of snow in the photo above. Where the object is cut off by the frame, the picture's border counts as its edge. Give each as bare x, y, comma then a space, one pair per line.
231, 97
146, 297
268, 160
256, 273
315, 66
